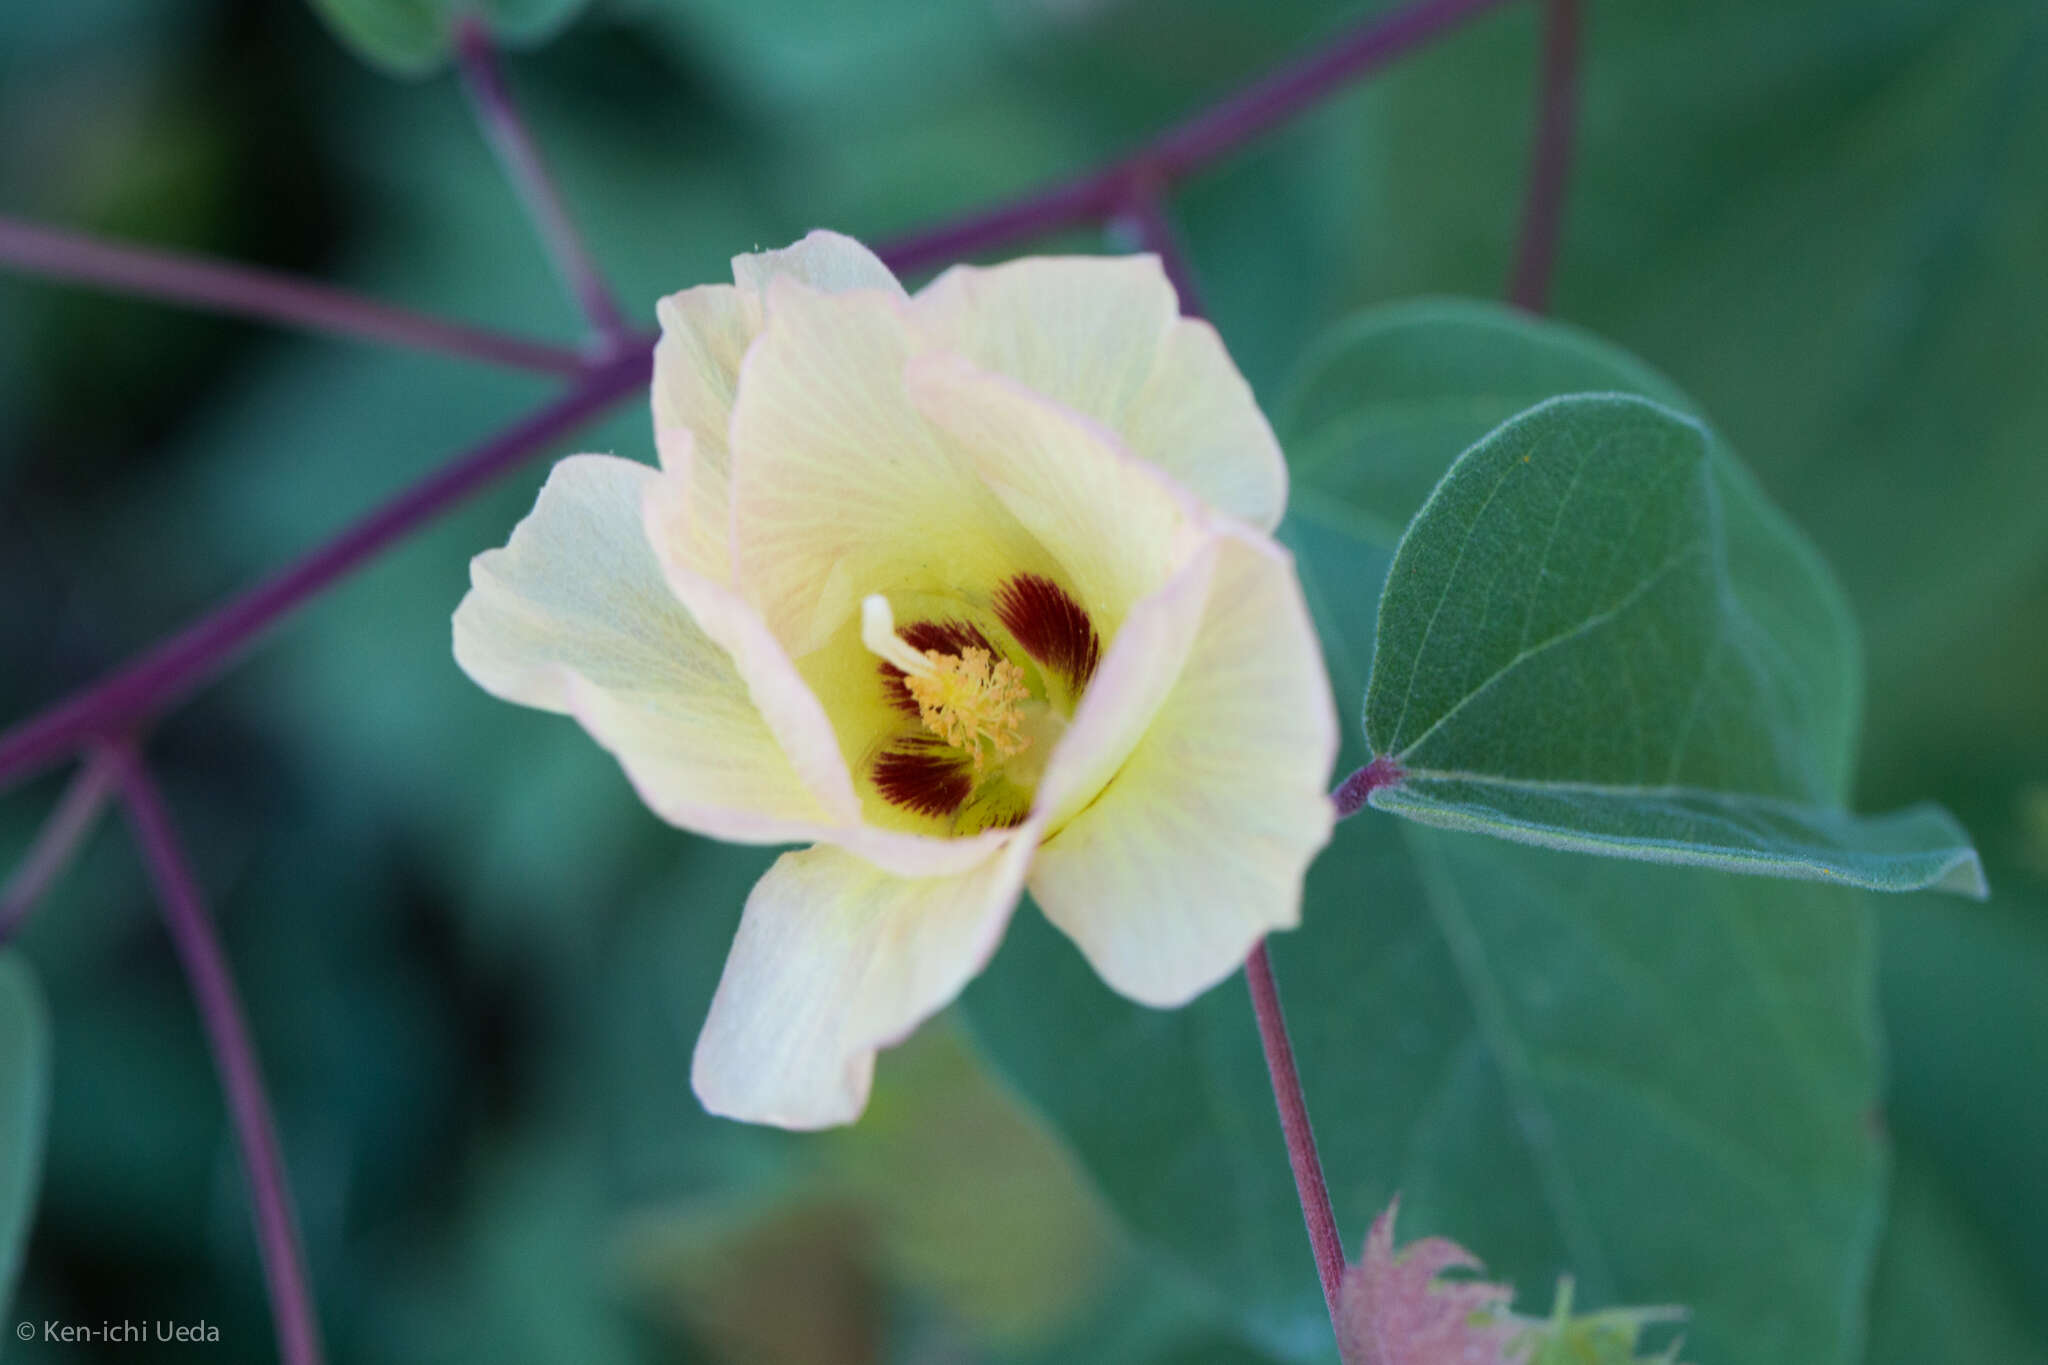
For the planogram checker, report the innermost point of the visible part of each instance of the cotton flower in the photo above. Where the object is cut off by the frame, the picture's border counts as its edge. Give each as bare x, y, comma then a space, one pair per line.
972, 592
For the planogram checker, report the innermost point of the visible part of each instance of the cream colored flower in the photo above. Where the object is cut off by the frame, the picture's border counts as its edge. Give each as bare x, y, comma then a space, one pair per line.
972, 591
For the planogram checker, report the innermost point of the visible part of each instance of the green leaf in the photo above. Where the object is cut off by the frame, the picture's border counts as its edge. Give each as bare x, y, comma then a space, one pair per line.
1381, 403
1542, 1058
1545, 1059
1595, 637
1841, 262
415, 37
24, 1105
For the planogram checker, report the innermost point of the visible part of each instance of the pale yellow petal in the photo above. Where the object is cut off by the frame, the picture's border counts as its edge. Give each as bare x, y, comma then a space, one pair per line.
1115, 526
1198, 421
835, 960
829, 262
705, 333
573, 615
1137, 675
1085, 331
1197, 848
841, 488
778, 693
1103, 335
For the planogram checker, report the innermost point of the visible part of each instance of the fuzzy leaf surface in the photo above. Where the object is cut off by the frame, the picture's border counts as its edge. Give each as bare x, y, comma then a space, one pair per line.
1596, 636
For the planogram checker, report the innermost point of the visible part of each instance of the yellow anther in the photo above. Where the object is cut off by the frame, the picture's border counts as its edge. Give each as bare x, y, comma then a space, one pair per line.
968, 698
963, 699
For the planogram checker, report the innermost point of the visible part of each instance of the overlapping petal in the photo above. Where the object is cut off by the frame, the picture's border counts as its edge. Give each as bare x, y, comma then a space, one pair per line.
705, 333
790, 709
1116, 528
836, 959
1136, 676
1048, 446
1104, 337
841, 488
1198, 848
573, 615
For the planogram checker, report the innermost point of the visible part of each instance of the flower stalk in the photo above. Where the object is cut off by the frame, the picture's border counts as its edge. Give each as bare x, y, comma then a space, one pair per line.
1314, 1191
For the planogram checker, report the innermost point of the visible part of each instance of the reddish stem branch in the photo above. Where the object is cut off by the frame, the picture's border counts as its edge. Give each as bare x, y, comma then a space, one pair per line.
1069, 203
1550, 159
113, 706
1300, 85
1309, 1184
234, 1057
108, 711
477, 58
1193, 144
1354, 791
57, 843
243, 291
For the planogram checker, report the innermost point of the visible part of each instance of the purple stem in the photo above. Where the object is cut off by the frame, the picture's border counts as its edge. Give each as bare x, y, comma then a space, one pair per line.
234, 1057
1352, 793
519, 154
1069, 203
180, 662
1369, 45
57, 843
243, 291
1550, 160
1197, 142
110, 708
1309, 1184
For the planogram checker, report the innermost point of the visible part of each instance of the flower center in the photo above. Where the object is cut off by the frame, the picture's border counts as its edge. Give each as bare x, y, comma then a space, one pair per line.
965, 699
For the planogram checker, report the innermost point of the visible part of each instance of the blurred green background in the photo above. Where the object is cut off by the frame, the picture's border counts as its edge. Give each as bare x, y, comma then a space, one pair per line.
476, 966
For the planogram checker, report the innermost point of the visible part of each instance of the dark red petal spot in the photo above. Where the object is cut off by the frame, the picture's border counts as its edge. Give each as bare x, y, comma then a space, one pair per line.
947, 637
924, 776
1051, 626
1009, 818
